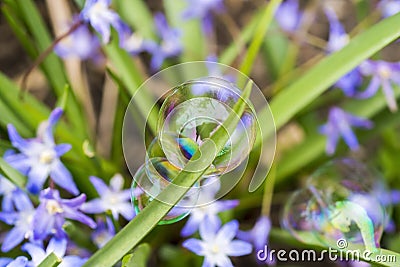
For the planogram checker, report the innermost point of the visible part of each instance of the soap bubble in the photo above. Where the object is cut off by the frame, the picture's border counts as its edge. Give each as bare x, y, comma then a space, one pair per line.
341, 201
193, 111
152, 178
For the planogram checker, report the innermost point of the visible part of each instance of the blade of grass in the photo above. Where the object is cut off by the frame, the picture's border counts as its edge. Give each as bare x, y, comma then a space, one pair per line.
50, 261
146, 220
258, 38
15, 176
138, 258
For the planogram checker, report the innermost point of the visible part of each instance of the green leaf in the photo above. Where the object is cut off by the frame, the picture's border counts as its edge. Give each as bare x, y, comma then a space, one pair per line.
50, 261
258, 37
138, 258
146, 220
14, 176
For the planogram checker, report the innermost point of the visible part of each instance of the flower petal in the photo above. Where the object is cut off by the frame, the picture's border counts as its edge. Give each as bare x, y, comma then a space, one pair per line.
61, 149
94, 206
99, 185
20, 261
36, 178
37, 253
194, 245
57, 246
117, 182
238, 248
228, 231
209, 228
63, 177
13, 238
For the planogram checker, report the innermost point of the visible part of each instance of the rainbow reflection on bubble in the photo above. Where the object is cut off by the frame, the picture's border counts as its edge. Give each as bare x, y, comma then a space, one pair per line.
341, 200
152, 178
192, 112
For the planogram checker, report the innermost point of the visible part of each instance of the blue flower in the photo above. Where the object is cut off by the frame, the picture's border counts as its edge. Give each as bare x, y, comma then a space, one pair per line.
112, 198
135, 44
56, 246
383, 74
22, 220
170, 45
104, 232
7, 190
203, 9
99, 15
81, 44
338, 38
339, 124
50, 216
259, 234
39, 157
208, 207
389, 7
288, 15
217, 243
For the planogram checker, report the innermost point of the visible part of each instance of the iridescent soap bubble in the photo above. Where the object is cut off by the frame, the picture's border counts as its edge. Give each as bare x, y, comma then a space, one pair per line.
341, 201
193, 111
151, 179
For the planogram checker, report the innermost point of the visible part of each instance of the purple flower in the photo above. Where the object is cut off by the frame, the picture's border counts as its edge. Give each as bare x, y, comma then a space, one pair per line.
112, 198
56, 246
217, 243
339, 124
170, 45
383, 74
208, 207
50, 216
203, 9
81, 44
288, 15
104, 232
21, 219
39, 157
135, 44
389, 7
259, 234
338, 38
99, 15
7, 190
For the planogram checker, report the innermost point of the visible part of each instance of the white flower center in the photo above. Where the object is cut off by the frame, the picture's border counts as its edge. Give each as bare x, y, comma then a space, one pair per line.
113, 200
385, 72
98, 9
47, 156
215, 249
53, 207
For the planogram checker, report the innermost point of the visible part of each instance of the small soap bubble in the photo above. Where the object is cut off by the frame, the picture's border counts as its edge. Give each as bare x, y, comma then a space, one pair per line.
341, 200
192, 113
152, 178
